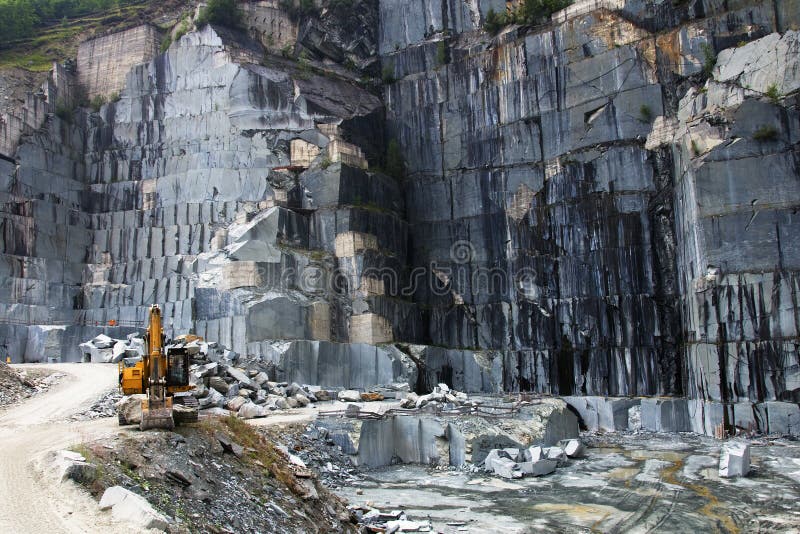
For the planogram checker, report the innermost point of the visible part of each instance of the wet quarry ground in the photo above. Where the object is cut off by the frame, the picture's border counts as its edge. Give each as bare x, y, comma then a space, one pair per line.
632, 482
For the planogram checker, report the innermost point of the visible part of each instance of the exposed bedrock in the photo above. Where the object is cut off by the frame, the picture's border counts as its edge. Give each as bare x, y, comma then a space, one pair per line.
571, 197
444, 440
604, 206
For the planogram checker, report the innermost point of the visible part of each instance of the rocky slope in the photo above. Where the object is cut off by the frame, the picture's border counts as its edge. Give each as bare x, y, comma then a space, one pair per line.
16, 386
220, 476
602, 205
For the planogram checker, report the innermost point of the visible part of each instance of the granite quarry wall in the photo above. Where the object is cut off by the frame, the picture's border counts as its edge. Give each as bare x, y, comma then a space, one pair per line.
601, 206
103, 63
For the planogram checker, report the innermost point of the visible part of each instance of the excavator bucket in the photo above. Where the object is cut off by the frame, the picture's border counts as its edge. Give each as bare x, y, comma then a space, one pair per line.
157, 416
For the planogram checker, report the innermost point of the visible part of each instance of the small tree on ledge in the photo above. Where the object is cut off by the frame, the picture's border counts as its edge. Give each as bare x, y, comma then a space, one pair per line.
221, 12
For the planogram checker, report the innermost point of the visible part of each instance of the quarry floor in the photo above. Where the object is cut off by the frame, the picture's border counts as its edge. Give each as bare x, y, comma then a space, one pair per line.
626, 483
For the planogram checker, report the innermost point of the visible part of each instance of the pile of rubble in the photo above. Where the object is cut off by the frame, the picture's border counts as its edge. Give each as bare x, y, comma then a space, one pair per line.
17, 385
533, 461
105, 406
104, 349
221, 477
374, 520
247, 390
250, 394
321, 451
442, 394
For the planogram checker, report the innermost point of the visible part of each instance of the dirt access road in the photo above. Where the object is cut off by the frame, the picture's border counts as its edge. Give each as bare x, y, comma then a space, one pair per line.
32, 499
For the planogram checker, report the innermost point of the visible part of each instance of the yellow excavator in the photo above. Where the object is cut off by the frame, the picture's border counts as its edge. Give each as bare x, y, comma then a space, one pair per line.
163, 374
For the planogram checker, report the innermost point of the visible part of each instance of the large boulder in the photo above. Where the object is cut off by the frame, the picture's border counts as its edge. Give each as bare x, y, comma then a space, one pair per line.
70, 465
132, 510
235, 403
734, 460
573, 448
218, 383
349, 395
242, 378
212, 400
129, 409
103, 342
251, 410
538, 468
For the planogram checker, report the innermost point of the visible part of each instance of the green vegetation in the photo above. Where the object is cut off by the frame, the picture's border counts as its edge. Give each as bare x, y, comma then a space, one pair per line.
165, 42
773, 93
63, 112
304, 66
56, 38
97, 102
709, 58
300, 9
765, 133
395, 165
533, 11
527, 12
494, 22
441, 53
646, 113
695, 148
20, 18
387, 74
222, 13
183, 29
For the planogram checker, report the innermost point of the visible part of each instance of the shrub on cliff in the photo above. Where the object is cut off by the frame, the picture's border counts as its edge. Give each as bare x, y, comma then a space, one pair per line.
535, 11
528, 12
493, 22
222, 13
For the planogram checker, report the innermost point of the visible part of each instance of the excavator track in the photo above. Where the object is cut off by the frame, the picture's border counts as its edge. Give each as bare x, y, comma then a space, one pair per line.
185, 409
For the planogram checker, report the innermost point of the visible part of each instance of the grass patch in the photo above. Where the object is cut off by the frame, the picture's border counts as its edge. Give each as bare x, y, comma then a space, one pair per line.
258, 451
59, 41
166, 42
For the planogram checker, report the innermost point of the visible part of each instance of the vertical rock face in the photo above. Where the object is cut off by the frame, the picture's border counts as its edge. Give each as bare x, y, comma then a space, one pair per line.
531, 151
738, 190
103, 63
575, 235
603, 205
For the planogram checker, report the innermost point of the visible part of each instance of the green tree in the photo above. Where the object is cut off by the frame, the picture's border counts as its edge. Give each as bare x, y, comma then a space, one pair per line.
535, 11
17, 20
493, 22
221, 12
